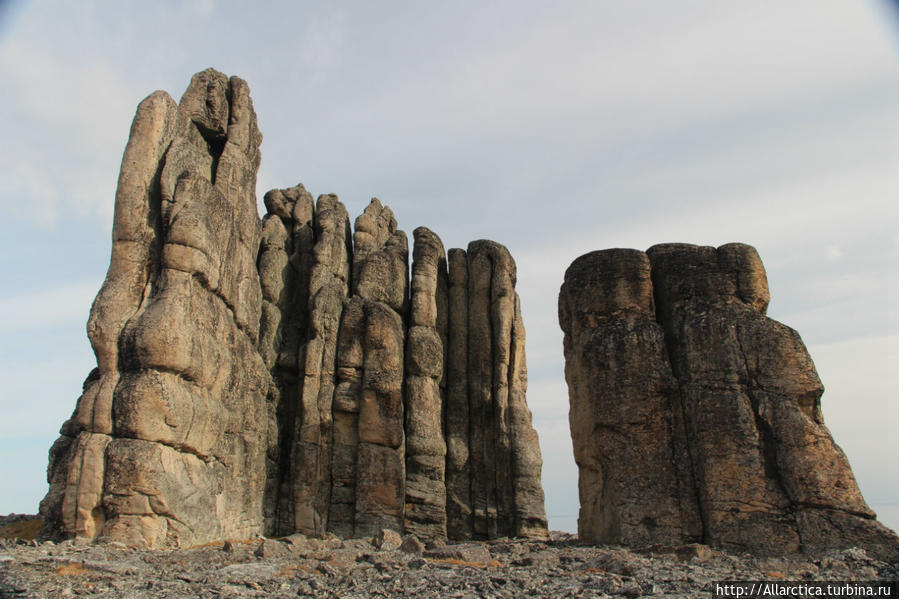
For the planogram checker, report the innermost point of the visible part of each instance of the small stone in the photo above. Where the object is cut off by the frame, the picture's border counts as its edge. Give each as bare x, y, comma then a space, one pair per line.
695, 551
328, 569
468, 552
435, 543
632, 590
270, 548
411, 544
299, 543
361, 545
543, 559
387, 540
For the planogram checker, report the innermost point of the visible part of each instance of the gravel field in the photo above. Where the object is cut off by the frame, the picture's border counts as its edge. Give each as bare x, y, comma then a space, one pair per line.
390, 566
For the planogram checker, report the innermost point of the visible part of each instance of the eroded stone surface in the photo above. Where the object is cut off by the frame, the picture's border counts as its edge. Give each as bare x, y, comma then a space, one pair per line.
166, 445
425, 358
458, 468
673, 345
285, 265
504, 501
279, 376
624, 415
329, 280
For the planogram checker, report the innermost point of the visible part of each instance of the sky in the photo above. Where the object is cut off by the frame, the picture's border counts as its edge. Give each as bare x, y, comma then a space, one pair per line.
555, 128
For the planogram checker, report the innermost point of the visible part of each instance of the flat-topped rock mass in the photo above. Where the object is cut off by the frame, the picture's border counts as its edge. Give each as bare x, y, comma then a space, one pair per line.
695, 418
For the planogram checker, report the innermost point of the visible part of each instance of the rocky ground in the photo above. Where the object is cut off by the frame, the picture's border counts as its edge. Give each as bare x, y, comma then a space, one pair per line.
388, 566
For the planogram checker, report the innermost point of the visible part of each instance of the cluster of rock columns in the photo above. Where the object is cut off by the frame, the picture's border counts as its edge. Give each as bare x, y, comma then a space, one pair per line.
282, 375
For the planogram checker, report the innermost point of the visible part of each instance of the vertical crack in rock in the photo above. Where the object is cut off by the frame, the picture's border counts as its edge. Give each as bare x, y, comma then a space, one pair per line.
278, 376
480, 390
699, 303
744, 426
284, 264
347, 404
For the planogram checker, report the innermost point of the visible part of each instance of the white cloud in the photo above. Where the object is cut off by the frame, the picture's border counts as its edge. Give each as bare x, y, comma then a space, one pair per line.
46, 308
203, 8
70, 122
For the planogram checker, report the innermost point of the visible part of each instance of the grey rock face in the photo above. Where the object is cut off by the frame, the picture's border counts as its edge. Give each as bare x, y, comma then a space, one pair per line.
311, 449
456, 424
279, 376
503, 462
694, 416
624, 410
381, 288
425, 358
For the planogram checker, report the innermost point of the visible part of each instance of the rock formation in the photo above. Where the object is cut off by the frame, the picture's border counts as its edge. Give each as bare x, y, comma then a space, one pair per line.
165, 441
279, 376
425, 389
694, 417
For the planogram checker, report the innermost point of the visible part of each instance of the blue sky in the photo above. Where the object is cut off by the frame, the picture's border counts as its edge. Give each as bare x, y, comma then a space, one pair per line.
554, 128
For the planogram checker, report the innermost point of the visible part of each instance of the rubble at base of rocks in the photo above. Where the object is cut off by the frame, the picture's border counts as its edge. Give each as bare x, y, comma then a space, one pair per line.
310, 567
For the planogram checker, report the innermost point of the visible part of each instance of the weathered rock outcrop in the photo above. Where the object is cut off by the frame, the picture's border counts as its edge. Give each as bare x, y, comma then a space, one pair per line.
373, 347
426, 346
456, 420
503, 450
277, 376
695, 417
167, 442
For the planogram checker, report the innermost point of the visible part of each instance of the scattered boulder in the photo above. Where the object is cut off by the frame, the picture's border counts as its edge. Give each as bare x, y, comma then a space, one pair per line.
412, 545
387, 540
270, 548
470, 553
